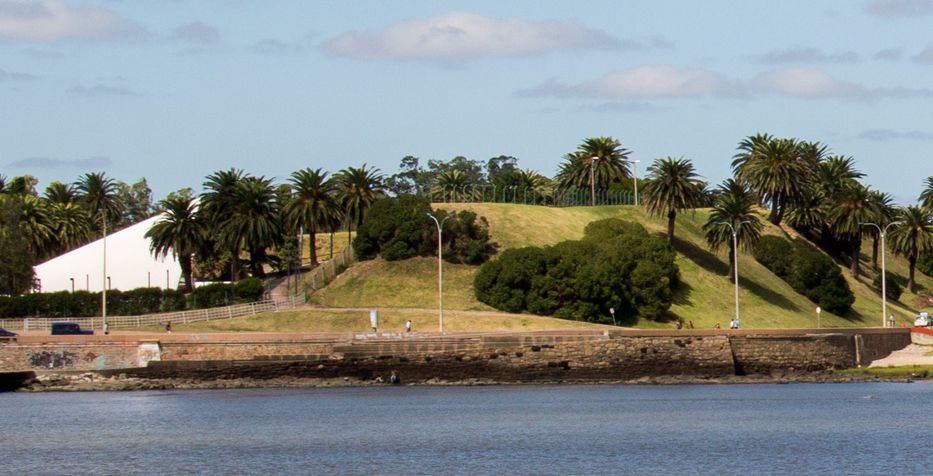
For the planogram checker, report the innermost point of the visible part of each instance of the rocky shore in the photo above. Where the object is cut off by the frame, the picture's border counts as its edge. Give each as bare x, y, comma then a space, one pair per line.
90, 381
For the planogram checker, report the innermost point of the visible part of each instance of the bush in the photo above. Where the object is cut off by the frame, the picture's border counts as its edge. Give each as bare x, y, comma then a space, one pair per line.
616, 265
892, 286
398, 228
808, 272
925, 263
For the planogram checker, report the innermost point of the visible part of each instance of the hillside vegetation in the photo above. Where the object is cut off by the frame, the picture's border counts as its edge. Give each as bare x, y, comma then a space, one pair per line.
705, 297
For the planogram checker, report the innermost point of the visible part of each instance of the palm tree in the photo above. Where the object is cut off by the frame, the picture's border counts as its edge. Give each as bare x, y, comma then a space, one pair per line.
180, 231
71, 224
672, 186
926, 196
851, 207
456, 181
100, 196
36, 225
913, 238
253, 223
216, 206
610, 164
735, 205
882, 207
357, 189
774, 169
57, 192
312, 203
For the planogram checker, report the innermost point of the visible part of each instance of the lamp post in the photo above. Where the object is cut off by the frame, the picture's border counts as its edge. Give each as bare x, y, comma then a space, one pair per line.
634, 176
593, 161
884, 284
103, 294
72, 285
735, 260
440, 271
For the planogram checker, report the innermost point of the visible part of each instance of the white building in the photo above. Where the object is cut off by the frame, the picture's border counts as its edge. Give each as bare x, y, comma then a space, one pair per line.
130, 265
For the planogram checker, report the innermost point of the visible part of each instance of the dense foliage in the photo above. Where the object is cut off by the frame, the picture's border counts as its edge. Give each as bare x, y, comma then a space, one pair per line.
400, 228
616, 265
129, 303
808, 272
892, 287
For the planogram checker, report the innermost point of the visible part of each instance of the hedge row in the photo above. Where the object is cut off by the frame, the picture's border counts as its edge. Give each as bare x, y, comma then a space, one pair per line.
129, 303
809, 272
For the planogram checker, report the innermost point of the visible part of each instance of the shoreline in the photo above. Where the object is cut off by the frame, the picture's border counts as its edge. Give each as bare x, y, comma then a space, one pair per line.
92, 382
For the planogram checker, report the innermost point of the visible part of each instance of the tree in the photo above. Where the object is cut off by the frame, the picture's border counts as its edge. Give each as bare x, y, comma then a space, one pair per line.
913, 238
609, 167
774, 169
851, 207
672, 186
16, 273
926, 196
883, 212
216, 207
181, 232
36, 225
312, 202
99, 196
253, 223
71, 226
357, 189
22, 185
57, 192
451, 186
411, 179
136, 200
735, 205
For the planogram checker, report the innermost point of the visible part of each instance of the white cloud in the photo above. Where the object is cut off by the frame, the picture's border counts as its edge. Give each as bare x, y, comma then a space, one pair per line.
46, 21
642, 82
50, 163
101, 90
13, 75
899, 8
807, 55
197, 33
462, 36
814, 83
889, 54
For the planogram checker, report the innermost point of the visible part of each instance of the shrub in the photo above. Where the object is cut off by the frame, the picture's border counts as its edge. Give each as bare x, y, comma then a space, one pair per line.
925, 263
616, 265
808, 272
892, 286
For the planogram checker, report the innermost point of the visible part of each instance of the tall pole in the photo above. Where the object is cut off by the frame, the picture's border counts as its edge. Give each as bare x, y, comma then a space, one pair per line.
440, 271
735, 259
103, 295
593, 161
884, 274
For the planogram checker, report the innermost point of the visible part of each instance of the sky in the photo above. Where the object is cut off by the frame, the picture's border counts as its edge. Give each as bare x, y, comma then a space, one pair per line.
173, 90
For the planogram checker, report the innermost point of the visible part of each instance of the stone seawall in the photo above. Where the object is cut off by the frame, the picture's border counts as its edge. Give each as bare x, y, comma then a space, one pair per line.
529, 357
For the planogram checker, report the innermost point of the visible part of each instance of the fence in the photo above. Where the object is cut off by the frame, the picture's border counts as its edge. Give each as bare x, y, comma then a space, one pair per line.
181, 317
531, 195
318, 277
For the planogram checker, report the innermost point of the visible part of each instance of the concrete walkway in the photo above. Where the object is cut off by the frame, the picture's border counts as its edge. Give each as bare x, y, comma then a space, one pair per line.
914, 354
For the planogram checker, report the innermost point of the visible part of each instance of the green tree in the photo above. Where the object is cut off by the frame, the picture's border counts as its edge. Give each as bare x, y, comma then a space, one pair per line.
71, 226
357, 189
313, 201
926, 196
610, 165
253, 223
216, 208
179, 231
136, 200
851, 207
672, 186
735, 205
452, 186
913, 238
16, 261
57, 192
36, 225
774, 169
99, 195
883, 212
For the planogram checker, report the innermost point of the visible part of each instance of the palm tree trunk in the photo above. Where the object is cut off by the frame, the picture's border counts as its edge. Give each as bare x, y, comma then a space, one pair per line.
185, 262
671, 217
853, 264
911, 266
312, 238
731, 262
775, 216
233, 264
874, 253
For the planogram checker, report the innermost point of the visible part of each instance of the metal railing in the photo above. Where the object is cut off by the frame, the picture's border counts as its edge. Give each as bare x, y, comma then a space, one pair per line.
324, 273
180, 317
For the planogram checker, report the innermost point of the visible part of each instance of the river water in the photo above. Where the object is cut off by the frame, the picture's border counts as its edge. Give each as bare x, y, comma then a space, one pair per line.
861, 428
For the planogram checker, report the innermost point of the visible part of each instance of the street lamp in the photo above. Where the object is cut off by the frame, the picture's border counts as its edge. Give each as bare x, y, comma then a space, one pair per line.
735, 259
884, 284
634, 176
106, 280
593, 161
440, 271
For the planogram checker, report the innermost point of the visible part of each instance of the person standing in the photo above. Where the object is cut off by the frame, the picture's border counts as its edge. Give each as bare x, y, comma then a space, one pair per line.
408, 326
734, 324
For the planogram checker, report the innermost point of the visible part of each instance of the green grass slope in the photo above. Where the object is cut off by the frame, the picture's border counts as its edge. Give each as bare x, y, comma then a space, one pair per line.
706, 296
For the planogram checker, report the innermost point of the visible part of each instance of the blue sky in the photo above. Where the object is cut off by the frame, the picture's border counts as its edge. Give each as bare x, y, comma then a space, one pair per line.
173, 90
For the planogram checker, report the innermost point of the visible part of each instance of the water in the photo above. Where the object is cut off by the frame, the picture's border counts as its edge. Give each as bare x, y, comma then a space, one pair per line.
727, 429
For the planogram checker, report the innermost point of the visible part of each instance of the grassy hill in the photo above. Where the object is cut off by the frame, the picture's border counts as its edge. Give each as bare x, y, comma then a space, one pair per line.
706, 296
